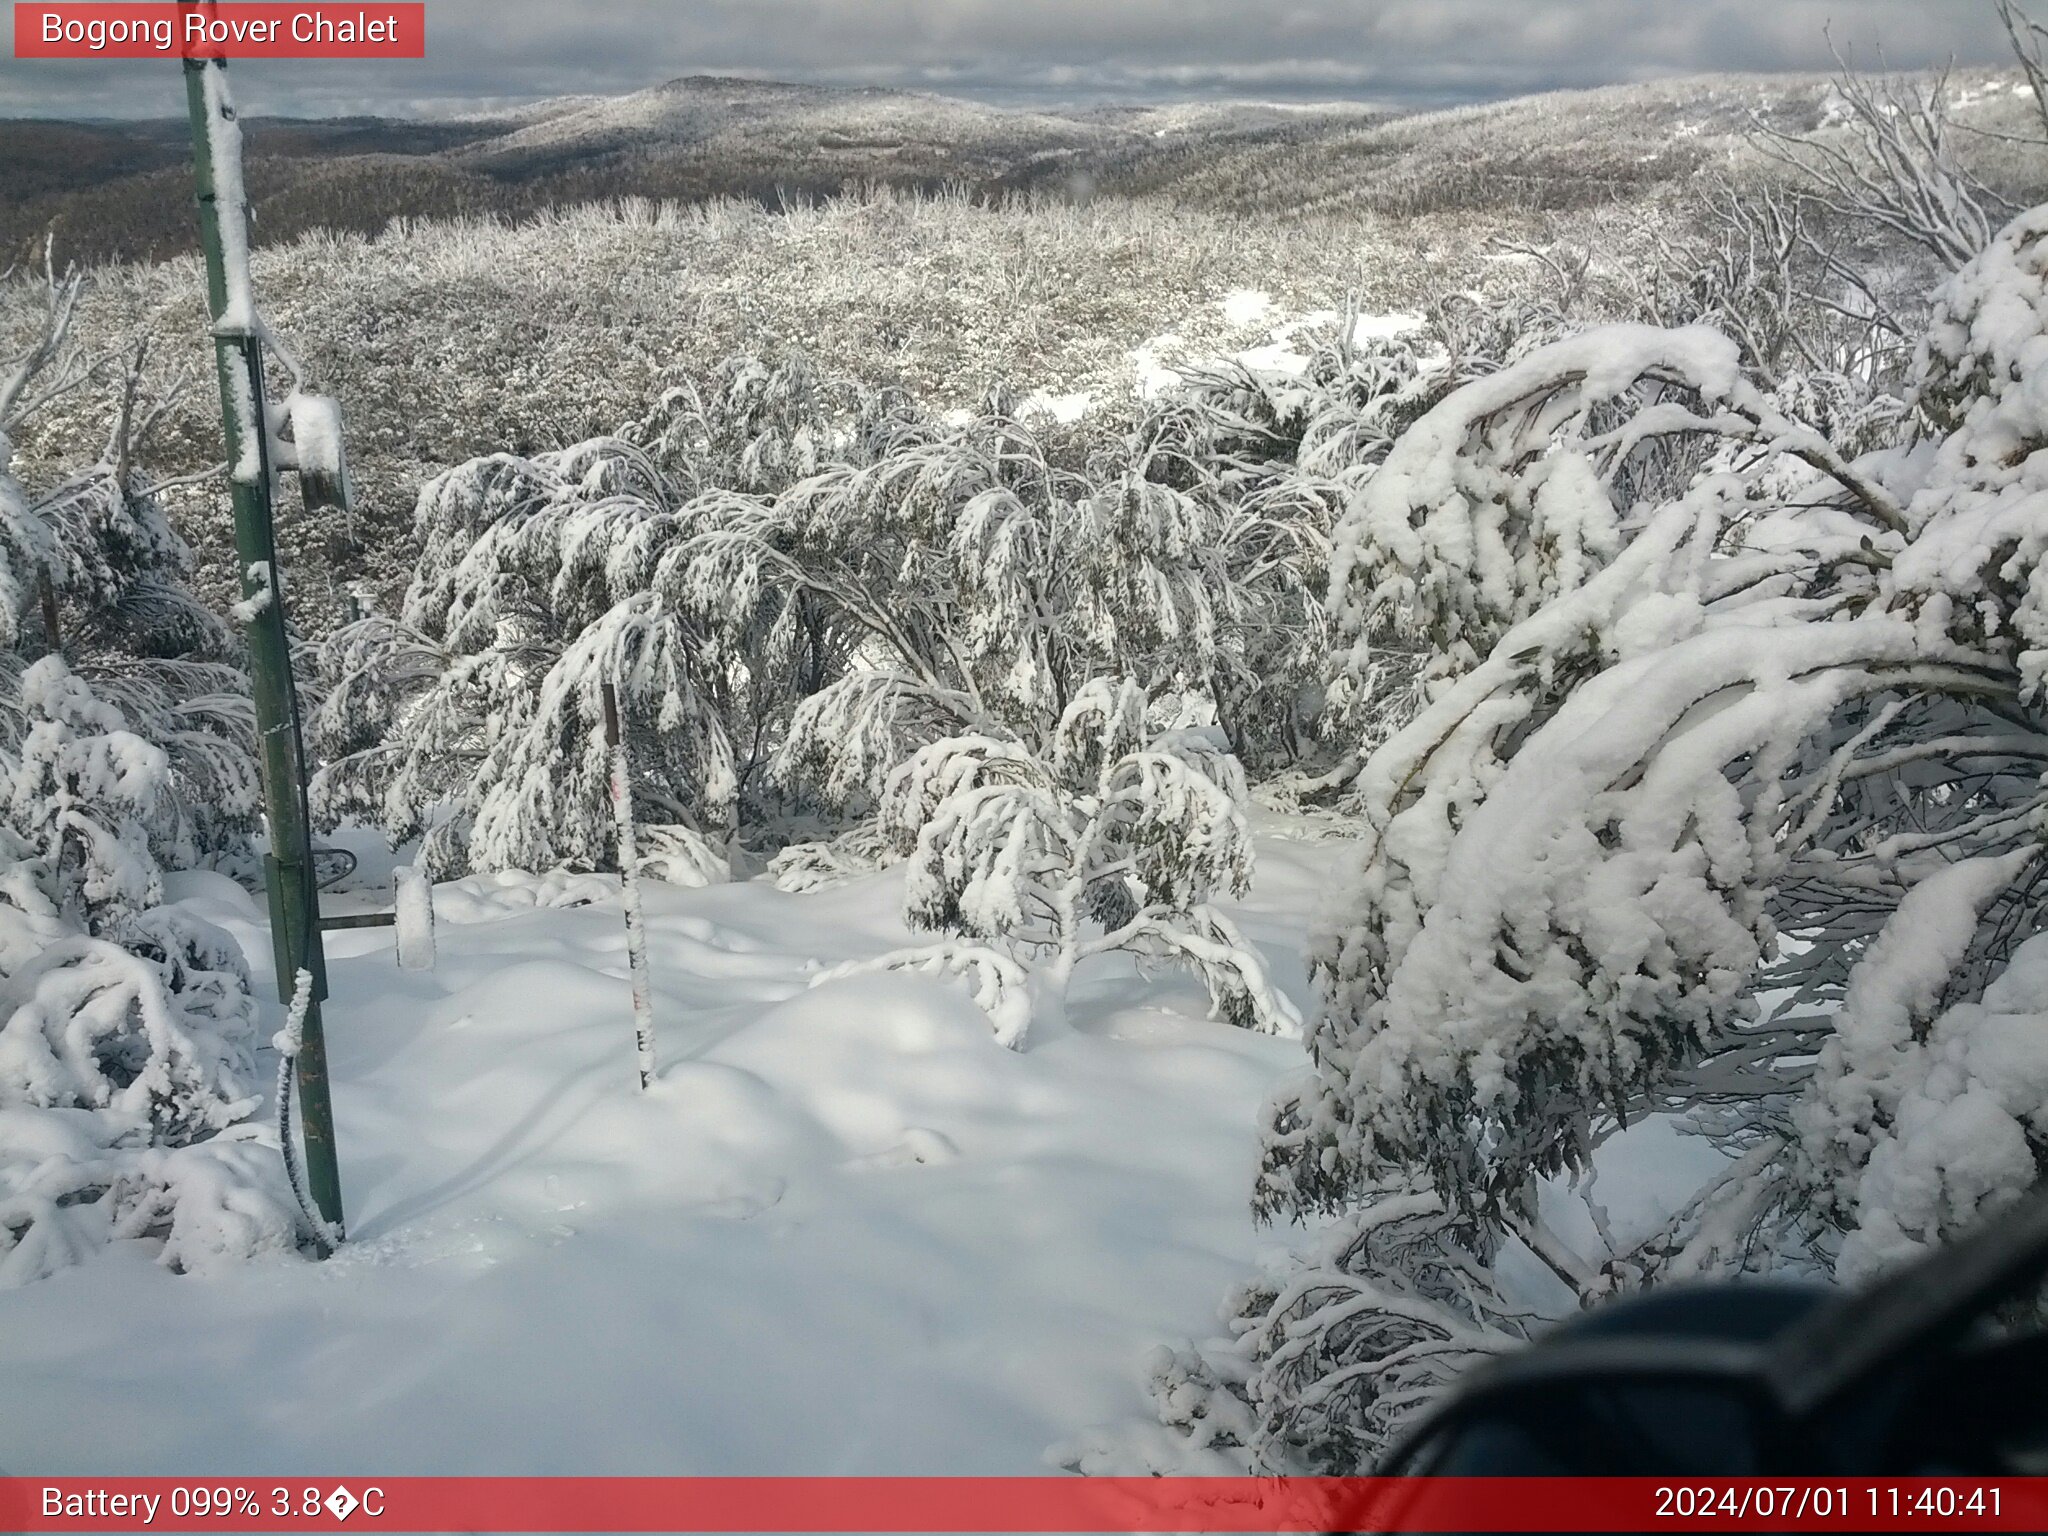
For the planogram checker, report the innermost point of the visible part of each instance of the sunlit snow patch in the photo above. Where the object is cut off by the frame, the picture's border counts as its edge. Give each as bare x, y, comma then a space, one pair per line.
1061, 408
1284, 351
1154, 377
1246, 306
1384, 327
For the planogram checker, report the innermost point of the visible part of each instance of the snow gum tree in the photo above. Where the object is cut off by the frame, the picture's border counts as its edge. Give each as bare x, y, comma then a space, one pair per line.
1728, 803
992, 582
1018, 663
1113, 838
653, 560
795, 585
475, 718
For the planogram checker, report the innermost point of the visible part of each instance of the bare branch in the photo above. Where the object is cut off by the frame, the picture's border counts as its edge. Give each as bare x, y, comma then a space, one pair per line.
2028, 38
1900, 171
46, 350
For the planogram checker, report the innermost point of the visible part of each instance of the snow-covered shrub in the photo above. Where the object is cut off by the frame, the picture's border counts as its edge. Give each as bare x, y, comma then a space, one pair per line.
1236, 423
982, 582
127, 1080
105, 797
119, 568
126, 1028
1733, 802
87, 795
156, 1029
811, 866
1324, 1362
1113, 837
795, 585
759, 427
476, 718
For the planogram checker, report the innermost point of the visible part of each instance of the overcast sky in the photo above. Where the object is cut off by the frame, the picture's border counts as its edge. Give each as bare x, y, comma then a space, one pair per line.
1396, 52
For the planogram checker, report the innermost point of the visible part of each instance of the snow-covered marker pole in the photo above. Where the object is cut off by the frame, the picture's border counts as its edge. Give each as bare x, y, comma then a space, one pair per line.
412, 916
238, 358
629, 885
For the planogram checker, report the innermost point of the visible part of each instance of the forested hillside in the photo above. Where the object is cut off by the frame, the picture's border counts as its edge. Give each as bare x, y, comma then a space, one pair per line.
112, 189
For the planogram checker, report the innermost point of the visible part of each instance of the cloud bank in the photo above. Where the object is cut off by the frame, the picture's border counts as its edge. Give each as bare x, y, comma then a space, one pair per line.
1396, 52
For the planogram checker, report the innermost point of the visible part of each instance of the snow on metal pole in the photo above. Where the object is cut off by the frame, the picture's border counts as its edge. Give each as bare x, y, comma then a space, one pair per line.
629, 877
238, 357
412, 917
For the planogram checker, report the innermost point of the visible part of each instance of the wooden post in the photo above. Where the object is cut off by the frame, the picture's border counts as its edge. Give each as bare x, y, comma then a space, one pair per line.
629, 882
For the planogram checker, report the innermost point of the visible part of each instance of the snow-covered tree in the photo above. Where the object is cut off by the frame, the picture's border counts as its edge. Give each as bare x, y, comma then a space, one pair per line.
1295, 446
126, 1087
41, 367
475, 717
1900, 168
1767, 266
96, 572
126, 1027
1285, 448
89, 800
1113, 838
868, 582
125, 729
1730, 802
982, 580
538, 574
1513, 491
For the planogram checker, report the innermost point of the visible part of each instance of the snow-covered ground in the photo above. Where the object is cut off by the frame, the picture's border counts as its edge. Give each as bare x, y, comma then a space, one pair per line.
846, 1233
1159, 362
1065, 408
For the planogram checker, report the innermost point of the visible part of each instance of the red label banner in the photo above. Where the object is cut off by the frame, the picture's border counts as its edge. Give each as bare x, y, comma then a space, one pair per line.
213, 30
1017, 1504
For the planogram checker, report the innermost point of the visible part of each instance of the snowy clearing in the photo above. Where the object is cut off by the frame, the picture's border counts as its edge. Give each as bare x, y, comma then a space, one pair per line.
1162, 362
1246, 306
1065, 409
848, 1197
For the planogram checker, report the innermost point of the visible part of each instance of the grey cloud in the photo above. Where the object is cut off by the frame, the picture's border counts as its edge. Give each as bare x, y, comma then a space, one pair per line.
1399, 51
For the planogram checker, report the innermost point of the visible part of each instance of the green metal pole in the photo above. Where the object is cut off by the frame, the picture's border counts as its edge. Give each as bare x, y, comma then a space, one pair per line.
288, 867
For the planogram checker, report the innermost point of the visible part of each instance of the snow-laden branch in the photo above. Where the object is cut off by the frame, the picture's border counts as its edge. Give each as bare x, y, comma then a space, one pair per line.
1731, 807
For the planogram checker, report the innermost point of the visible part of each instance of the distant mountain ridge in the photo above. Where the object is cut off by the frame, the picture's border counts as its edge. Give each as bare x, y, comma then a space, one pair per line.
119, 189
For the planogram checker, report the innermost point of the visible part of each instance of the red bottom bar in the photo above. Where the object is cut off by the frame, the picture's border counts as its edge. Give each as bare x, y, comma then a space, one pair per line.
1016, 1504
